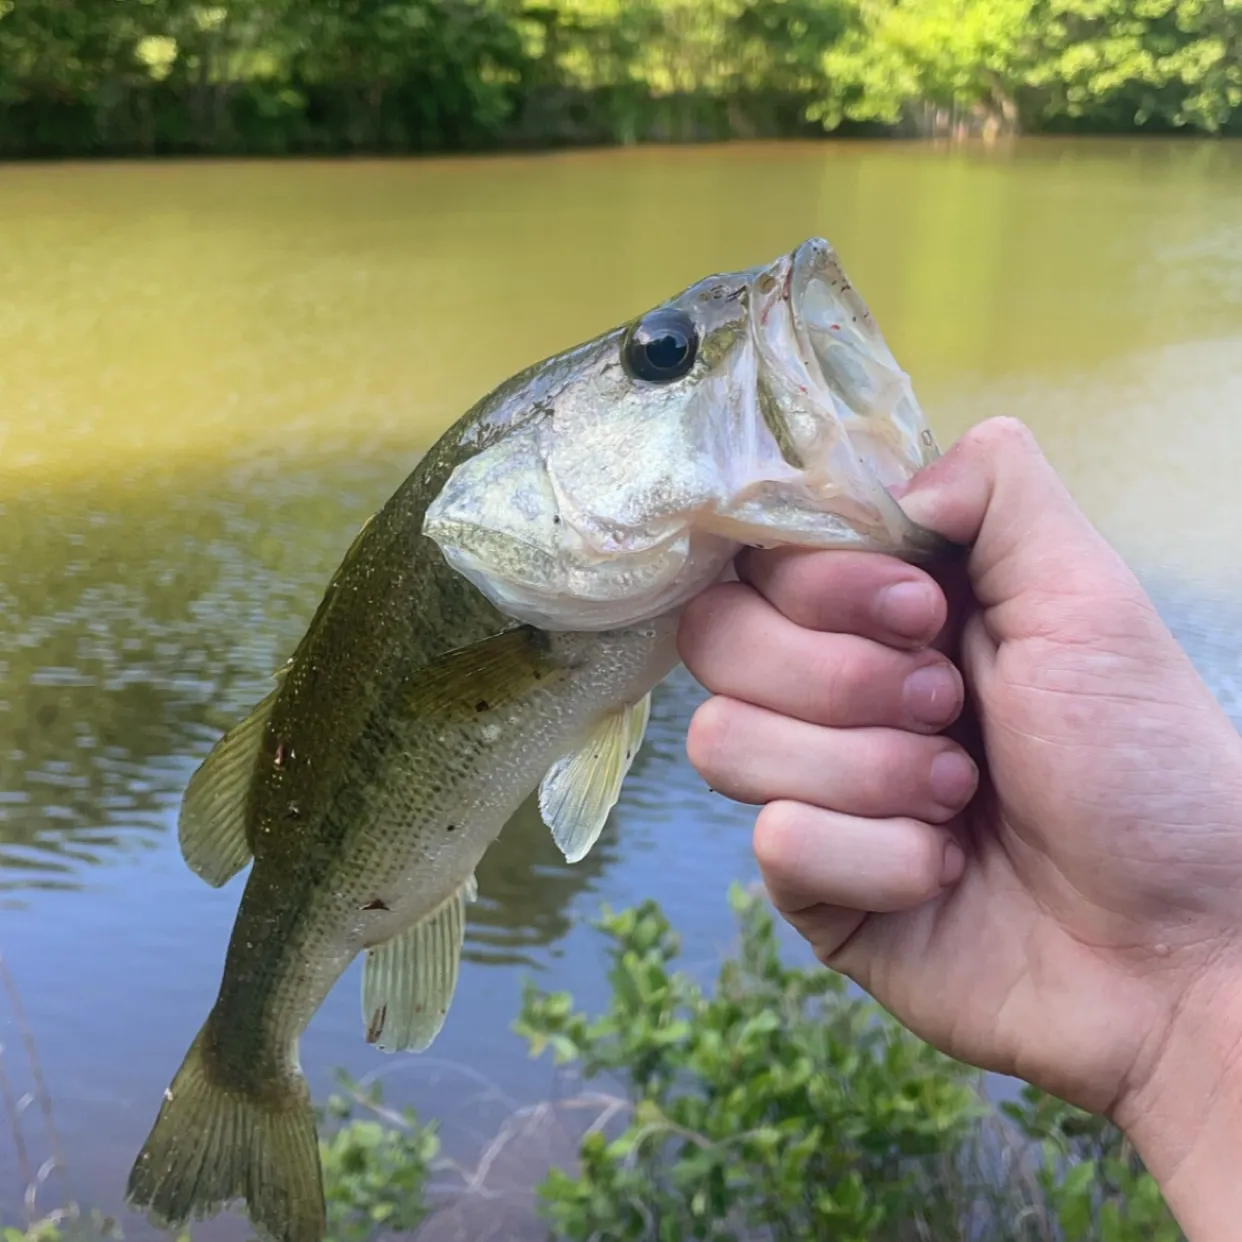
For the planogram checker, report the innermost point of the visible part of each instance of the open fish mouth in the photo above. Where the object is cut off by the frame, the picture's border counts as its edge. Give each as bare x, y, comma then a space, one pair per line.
838, 338
842, 413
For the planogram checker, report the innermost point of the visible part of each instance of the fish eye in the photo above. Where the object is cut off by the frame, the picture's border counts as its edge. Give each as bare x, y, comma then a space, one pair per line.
661, 347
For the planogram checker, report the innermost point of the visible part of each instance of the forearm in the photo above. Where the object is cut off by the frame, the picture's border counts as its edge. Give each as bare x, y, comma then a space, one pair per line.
1186, 1122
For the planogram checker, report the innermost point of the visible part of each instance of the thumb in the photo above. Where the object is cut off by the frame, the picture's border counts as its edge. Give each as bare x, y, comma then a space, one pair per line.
996, 492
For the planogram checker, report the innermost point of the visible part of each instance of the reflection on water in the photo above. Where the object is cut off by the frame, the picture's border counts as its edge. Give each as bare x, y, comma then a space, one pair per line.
158, 313
525, 890
212, 374
135, 627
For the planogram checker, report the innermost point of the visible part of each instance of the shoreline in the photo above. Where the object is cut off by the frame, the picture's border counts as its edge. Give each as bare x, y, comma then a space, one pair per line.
528, 152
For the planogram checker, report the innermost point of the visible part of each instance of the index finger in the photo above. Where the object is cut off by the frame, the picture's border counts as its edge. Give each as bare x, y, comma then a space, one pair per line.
864, 593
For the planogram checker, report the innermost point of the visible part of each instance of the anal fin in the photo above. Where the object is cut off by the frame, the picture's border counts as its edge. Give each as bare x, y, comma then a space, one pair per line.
581, 788
408, 982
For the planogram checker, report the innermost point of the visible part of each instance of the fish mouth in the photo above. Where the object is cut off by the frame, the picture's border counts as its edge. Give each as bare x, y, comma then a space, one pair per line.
839, 342
842, 412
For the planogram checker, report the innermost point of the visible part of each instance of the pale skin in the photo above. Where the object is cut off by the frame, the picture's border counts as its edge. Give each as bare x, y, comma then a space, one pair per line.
1003, 801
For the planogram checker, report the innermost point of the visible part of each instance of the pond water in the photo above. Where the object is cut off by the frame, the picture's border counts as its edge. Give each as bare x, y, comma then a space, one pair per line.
210, 374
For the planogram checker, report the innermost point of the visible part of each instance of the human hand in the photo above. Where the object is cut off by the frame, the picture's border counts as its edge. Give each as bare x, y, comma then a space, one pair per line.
1076, 919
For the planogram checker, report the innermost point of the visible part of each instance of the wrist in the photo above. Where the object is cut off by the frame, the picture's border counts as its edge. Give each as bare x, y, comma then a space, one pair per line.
1185, 1118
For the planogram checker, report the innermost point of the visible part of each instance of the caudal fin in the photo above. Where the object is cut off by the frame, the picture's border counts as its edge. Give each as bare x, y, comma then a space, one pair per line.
211, 1146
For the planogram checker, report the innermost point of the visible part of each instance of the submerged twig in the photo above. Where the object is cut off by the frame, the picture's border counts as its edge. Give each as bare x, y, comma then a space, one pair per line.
14, 1106
525, 1121
24, 1029
522, 1122
489, 1088
12, 1111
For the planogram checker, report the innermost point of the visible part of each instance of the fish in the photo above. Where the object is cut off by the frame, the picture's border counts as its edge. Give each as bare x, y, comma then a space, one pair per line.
497, 629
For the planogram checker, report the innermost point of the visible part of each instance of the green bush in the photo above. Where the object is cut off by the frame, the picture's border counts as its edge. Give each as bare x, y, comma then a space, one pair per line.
69, 1224
1093, 1182
782, 1105
375, 1167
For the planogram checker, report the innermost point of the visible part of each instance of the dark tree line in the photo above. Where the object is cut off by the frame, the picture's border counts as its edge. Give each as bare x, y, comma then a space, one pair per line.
284, 76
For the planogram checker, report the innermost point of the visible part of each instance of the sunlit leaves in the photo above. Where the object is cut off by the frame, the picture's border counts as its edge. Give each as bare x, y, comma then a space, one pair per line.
1175, 62
157, 52
1112, 64
962, 54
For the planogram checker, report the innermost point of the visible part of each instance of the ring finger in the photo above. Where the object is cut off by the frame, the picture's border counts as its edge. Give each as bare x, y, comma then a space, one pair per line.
757, 756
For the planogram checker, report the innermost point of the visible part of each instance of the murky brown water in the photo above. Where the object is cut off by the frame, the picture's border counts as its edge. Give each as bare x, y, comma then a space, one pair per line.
210, 374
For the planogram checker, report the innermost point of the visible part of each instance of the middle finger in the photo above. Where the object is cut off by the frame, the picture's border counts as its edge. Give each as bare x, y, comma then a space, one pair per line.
751, 755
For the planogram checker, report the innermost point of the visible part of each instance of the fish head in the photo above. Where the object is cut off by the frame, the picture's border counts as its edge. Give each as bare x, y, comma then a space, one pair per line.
757, 408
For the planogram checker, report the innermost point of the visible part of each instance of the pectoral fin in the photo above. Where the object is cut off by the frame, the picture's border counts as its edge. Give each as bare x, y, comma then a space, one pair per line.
493, 673
212, 824
581, 788
408, 982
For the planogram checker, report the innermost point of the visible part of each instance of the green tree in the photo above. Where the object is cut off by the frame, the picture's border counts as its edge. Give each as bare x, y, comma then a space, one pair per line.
956, 59
1127, 63
272, 76
421, 74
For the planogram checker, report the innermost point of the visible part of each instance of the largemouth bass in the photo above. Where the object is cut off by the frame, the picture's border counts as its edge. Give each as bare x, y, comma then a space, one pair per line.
498, 627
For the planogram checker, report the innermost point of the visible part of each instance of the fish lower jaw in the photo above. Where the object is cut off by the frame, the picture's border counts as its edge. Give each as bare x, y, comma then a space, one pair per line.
837, 521
652, 591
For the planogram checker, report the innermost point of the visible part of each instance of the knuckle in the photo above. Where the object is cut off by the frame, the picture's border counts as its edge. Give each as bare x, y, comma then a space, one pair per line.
778, 829
710, 736
918, 863
703, 620
803, 587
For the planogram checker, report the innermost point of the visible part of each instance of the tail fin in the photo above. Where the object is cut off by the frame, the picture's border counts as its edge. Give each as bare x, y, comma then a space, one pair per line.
211, 1145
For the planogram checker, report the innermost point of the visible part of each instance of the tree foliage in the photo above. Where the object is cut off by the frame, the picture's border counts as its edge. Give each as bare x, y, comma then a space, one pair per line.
952, 59
1094, 64
270, 76
1177, 63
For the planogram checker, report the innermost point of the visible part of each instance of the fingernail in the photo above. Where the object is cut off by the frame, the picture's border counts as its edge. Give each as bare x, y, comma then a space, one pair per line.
953, 779
933, 694
954, 863
907, 608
